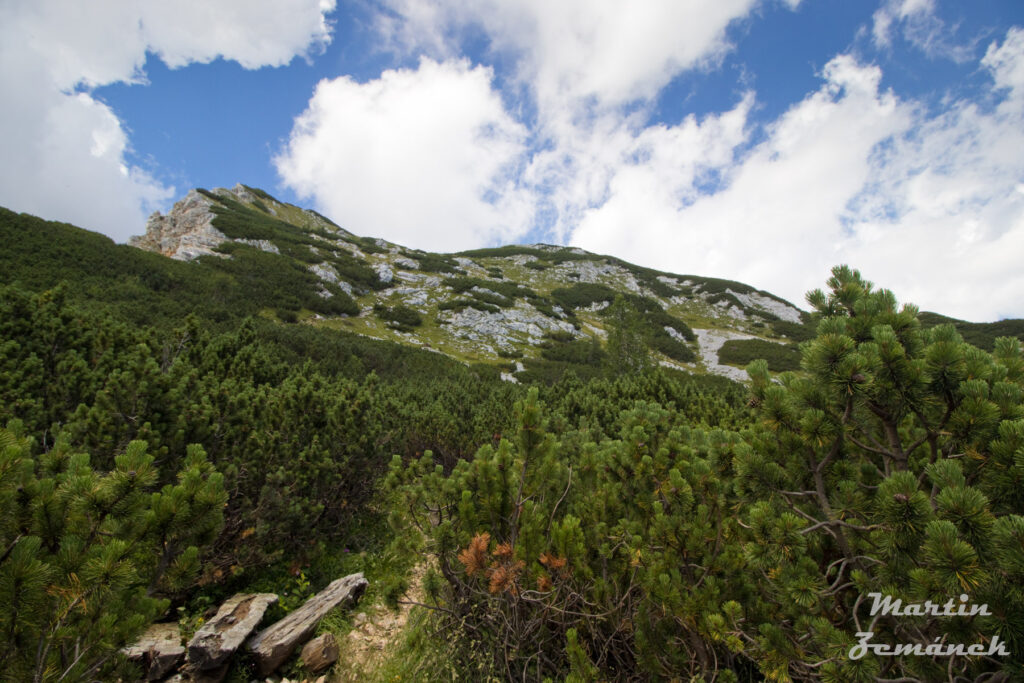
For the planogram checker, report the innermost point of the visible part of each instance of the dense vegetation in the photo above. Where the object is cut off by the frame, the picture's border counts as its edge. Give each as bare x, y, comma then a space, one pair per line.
166, 442
653, 543
291, 426
741, 352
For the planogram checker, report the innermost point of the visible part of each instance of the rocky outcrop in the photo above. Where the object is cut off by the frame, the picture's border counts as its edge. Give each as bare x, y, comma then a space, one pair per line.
217, 640
521, 324
384, 272
327, 273
262, 245
272, 646
159, 650
185, 233
769, 305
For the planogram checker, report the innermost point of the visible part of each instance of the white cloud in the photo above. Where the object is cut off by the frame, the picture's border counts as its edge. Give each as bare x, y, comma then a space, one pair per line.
583, 63
776, 220
921, 26
427, 158
851, 173
573, 50
65, 152
929, 206
1007, 65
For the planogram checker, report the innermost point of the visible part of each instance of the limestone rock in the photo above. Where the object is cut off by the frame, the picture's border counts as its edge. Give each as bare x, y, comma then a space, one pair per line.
764, 303
273, 645
320, 653
407, 263
185, 233
384, 273
709, 342
262, 245
218, 639
159, 649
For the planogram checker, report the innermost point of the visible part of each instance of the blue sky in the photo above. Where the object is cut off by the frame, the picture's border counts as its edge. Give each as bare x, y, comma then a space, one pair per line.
760, 140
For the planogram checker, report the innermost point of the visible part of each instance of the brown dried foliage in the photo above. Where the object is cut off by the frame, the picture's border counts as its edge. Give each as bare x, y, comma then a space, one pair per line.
474, 557
504, 577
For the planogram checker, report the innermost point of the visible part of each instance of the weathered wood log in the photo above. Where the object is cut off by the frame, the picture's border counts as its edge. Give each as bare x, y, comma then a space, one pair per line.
319, 653
274, 644
159, 649
218, 639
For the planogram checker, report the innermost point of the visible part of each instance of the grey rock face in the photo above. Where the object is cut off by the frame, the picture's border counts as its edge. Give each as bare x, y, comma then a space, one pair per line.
709, 342
217, 640
327, 273
384, 272
273, 645
755, 300
406, 263
159, 649
262, 245
522, 323
185, 233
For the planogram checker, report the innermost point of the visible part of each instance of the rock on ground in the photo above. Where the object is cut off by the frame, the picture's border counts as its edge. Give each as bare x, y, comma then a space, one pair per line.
159, 649
218, 639
274, 644
320, 653
710, 341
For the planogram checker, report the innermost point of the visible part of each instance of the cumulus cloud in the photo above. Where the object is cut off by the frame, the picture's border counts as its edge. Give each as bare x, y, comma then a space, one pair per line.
65, 152
577, 50
590, 68
779, 204
931, 206
426, 157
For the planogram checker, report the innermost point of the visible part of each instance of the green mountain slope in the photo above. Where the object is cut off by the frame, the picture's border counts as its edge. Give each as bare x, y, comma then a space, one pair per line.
534, 309
529, 311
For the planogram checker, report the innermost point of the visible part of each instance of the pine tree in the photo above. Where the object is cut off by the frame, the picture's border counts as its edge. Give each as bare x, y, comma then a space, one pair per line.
891, 465
88, 558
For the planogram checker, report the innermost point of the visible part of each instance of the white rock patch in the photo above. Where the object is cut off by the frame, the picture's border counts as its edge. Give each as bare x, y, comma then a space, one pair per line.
262, 245
763, 303
710, 341
384, 272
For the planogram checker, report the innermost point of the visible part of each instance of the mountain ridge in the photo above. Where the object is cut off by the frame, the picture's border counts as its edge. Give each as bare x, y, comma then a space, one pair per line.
497, 304
528, 312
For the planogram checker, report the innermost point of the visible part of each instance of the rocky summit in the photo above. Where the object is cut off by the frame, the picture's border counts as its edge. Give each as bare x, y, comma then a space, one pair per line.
499, 305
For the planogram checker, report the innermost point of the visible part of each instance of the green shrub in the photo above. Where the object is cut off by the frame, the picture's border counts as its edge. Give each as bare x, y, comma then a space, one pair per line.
798, 332
743, 351
401, 317
91, 556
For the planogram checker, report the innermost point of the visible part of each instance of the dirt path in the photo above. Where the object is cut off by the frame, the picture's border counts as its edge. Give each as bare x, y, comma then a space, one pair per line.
376, 633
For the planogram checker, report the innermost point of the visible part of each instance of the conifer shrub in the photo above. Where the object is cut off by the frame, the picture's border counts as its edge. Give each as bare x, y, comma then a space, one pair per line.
603, 543
566, 556
798, 332
91, 556
891, 465
510, 290
578, 351
434, 263
401, 317
743, 351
